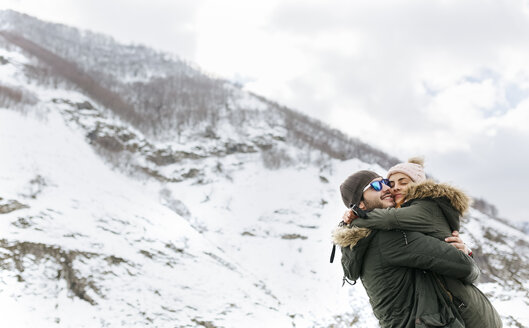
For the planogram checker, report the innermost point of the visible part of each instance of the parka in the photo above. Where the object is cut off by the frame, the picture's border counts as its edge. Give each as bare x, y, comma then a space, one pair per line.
435, 209
396, 269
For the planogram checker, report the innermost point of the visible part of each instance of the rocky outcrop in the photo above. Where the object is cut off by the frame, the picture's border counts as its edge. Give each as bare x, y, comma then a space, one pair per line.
10, 205
16, 256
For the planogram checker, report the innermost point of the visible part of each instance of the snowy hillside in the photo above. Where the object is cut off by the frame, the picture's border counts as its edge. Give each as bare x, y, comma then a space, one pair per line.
113, 219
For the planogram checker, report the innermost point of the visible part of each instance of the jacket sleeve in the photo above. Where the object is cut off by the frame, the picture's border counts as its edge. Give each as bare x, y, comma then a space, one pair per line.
416, 217
416, 250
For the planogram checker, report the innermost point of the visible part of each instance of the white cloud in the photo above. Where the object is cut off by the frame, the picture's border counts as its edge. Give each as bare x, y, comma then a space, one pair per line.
432, 78
516, 119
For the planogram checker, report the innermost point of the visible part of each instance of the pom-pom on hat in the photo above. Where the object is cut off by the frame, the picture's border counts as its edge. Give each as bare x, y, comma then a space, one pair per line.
414, 169
352, 188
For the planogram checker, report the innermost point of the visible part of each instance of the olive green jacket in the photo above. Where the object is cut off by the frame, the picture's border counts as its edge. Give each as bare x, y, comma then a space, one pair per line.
395, 268
434, 209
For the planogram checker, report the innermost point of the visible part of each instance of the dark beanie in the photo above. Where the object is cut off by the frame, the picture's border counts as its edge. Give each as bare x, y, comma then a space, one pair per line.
353, 187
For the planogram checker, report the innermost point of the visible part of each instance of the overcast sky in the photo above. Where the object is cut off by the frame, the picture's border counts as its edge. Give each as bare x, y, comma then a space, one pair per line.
447, 79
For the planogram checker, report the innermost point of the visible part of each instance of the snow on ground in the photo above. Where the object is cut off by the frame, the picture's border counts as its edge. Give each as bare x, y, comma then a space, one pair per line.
263, 254
80, 205
277, 224
76, 202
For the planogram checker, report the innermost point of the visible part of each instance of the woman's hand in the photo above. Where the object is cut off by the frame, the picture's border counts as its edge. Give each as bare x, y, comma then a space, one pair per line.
349, 216
458, 243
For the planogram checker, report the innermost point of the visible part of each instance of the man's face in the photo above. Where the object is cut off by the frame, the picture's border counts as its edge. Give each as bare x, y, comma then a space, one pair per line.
377, 199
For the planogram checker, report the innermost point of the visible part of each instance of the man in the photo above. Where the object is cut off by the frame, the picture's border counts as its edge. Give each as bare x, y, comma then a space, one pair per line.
398, 268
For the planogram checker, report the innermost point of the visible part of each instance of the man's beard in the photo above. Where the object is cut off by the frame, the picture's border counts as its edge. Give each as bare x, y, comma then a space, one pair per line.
375, 203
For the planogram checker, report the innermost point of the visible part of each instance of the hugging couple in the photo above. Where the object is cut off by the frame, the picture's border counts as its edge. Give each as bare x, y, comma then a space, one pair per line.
400, 237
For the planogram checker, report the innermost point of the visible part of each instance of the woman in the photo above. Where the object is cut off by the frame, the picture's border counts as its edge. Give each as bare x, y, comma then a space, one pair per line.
431, 208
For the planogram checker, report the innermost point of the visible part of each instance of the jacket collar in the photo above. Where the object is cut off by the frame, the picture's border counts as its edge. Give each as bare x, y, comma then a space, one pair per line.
348, 236
354, 242
430, 189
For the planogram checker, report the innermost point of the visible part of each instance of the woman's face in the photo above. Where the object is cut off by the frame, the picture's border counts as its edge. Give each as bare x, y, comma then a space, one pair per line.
399, 183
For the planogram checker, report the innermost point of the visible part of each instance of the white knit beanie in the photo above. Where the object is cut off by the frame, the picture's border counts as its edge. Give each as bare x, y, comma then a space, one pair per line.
414, 169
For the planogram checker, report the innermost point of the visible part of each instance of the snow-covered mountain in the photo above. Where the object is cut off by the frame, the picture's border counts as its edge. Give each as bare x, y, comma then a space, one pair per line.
137, 190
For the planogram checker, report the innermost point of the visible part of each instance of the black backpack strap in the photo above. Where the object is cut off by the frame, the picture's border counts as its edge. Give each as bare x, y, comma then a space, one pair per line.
333, 252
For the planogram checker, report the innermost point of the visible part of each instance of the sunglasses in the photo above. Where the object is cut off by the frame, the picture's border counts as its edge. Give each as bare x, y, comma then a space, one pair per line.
378, 185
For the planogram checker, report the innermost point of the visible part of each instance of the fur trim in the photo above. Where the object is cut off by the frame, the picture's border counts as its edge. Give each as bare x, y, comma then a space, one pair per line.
430, 189
348, 236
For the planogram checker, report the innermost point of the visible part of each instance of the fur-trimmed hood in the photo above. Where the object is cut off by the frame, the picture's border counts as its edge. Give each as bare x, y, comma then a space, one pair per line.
354, 242
430, 189
348, 236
